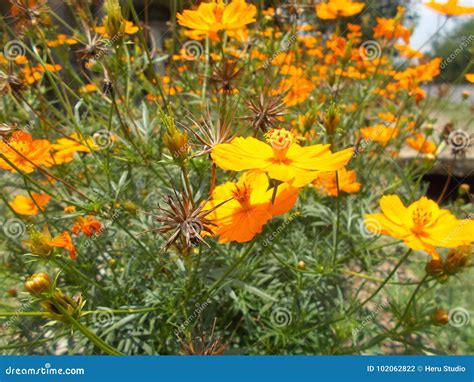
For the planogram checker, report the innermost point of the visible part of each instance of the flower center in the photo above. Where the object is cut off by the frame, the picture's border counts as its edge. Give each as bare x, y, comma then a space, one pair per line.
280, 140
242, 195
420, 218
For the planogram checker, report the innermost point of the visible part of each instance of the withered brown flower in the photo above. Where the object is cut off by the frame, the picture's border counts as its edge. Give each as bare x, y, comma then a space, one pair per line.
225, 75
29, 13
267, 111
184, 219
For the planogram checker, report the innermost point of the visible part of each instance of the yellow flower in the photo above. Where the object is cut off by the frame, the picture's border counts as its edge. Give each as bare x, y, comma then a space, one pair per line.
337, 8
215, 16
422, 225
246, 206
25, 205
470, 77
450, 8
420, 143
88, 88
346, 180
64, 148
379, 133
283, 159
25, 152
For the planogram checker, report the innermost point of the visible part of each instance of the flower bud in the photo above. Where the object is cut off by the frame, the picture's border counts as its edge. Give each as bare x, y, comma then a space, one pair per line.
332, 117
113, 22
464, 189
435, 268
175, 140
38, 283
71, 305
457, 259
440, 317
301, 264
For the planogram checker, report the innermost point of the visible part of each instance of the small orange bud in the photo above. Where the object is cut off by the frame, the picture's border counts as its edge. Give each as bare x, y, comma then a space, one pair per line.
301, 264
435, 268
38, 283
440, 317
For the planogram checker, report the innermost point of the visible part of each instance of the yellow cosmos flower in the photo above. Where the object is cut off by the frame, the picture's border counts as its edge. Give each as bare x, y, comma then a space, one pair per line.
26, 205
422, 225
346, 180
283, 159
379, 133
215, 16
337, 8
450, 8
25, 152
420, 143
246, 206
64, 148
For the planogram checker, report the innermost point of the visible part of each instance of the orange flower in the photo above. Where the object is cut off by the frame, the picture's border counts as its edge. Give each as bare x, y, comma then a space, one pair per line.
61, 39
379, 133
420, 143
88, 225
26, 205
64, 241
422, 225
42, 244
391, 29
215, 16
64, 148
25, 152
283, 159
296, 88
470, 77
450, 8
346, 180
407, 51
247, 206
88, 88
337, 8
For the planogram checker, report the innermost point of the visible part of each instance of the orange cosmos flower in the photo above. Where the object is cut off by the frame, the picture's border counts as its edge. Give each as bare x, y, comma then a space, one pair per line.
215, 16
282, 158
61, 39
450, 8
346, 180
296, 89
42, 243
88, 225
422, 225
64, 148
25, 152
470, 77
407, 51
247, 206
26, 205
337, 8
391, 29
379, 133
420, 143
